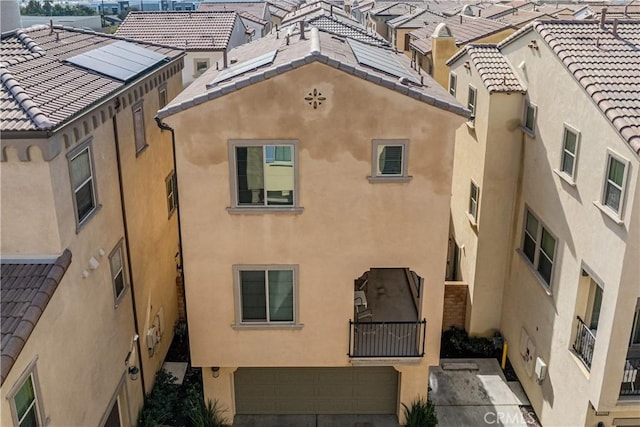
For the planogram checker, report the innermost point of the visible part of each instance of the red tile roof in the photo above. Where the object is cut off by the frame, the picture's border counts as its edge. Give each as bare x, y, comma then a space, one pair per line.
494, 69
26, 290
209, 30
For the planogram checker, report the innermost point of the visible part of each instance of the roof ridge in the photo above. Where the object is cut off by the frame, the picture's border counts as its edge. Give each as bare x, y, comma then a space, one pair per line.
23, 99
28, 42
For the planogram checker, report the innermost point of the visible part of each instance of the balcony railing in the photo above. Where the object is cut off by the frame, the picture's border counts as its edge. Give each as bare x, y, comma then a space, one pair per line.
584, 343
631, 377
387, 339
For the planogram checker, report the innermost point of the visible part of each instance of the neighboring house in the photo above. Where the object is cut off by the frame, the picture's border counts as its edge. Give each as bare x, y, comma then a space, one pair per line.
205, 36
315, 279
432, 45
553, 206
315, 9
519, 18
379, 16
400, 27
254, 14
89, 232
360, 11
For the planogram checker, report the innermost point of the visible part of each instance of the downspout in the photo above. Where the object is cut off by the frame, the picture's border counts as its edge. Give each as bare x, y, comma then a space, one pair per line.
128, 250
164, 126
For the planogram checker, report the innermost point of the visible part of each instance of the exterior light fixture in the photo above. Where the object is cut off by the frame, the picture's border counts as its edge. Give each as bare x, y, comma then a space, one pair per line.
215, 371
133, 372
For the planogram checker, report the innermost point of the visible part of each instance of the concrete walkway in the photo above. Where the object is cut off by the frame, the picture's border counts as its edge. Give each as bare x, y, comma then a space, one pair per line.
474, 392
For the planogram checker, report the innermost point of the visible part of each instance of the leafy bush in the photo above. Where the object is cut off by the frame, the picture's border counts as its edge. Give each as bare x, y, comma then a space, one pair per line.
422, 413
457, 343
161, 403
208, 415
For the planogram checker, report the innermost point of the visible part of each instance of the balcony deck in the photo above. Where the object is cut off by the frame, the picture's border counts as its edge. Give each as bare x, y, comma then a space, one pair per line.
389, 296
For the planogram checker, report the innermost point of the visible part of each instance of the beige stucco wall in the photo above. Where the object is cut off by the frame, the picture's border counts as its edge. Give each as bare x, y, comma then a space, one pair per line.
348, 225
189, 71
82, 339
586, 237
487, 154
153, 234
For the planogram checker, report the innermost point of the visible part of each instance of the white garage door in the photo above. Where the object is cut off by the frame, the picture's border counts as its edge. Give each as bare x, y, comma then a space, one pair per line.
358, 390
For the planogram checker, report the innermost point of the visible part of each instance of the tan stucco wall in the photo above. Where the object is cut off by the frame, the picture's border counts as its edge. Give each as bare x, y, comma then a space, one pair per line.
487, 154
153, 235
348, 226
81, 340
189, 70
586, 237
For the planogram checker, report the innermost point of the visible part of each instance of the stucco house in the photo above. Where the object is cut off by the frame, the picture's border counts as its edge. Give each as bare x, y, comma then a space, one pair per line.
255, 15
545, 212
433, 44
205, 36
89, 233
314, 224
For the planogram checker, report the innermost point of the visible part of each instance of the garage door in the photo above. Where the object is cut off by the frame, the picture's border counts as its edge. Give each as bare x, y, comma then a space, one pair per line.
357, 390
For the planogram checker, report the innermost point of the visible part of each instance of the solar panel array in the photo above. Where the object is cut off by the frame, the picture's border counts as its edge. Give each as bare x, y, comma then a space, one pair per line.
243, 67
380, 59
120, 60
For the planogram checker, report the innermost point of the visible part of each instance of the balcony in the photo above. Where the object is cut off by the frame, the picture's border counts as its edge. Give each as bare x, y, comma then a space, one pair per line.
387, 339
630, 385
584, 343
386, 307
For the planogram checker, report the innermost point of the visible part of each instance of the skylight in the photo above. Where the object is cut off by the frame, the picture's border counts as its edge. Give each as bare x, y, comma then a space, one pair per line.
380, 59
120, 60
243, 67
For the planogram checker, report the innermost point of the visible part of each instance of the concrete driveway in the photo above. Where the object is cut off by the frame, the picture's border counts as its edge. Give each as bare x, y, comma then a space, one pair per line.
474, 392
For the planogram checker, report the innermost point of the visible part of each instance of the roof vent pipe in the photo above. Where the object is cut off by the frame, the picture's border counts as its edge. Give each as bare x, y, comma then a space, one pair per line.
461, 19
302, 37
615, 27
603, 16
50, 26
224, 58
331, 9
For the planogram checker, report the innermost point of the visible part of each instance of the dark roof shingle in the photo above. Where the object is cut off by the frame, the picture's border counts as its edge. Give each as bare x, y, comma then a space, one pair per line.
26, 290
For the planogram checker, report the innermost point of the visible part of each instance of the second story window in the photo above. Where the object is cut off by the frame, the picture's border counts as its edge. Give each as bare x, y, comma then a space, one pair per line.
83, 183
172, 192
265, 173
472, 100
539, 247
453, 81
474, 195
138, 127
162, 95
615, 183
116, 261
26, 404
570, 142
529, 119
389, 160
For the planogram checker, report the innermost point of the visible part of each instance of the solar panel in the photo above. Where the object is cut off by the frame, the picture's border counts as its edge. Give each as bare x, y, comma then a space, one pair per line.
120, 60
243, 67
380, 59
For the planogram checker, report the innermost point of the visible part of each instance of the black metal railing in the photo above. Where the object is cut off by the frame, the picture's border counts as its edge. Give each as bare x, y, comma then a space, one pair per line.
584, 343
387, 339
630, 385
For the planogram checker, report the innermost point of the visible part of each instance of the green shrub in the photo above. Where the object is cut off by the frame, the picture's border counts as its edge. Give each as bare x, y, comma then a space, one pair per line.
422, 413
160, 407
208, 415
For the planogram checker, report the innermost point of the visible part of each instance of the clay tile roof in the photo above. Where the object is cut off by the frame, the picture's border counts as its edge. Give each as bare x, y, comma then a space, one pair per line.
342, 28
416, 19
26, 290
197, 31
523, 16
494, 69
252, 10
465, 29
39, 90
606, 66
318, 46
315, 9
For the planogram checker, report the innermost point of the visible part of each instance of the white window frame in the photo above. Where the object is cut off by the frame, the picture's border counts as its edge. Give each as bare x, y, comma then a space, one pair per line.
163, 97
139, 135
376, 175
538, 251
123, 270
196, 72
71, 156
474, 203
236, 207
472, 105
270, 324
569, 175
171, 188
616, 214
453, 83
30, 373
531, 131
